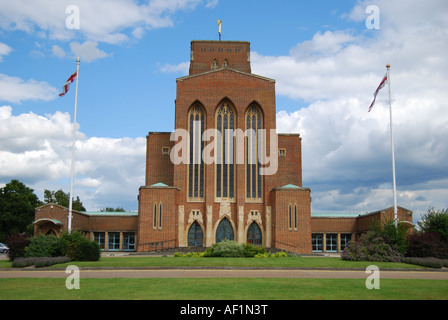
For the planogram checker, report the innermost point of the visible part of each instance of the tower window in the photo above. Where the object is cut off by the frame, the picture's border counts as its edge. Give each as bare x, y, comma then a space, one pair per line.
254, 122
225, 167
214, 64
196, 120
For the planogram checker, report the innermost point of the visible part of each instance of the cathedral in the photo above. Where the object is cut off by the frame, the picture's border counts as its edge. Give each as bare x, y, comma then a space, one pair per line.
224, 173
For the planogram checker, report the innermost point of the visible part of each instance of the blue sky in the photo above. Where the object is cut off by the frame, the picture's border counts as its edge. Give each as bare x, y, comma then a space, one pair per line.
327, 65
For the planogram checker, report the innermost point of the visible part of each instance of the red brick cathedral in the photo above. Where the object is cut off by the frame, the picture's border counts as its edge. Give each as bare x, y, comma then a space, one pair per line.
224, 173
199, 203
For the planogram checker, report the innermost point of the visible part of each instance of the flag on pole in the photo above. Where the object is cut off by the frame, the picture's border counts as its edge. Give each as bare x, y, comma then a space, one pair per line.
219, 26
67, 84
382, 84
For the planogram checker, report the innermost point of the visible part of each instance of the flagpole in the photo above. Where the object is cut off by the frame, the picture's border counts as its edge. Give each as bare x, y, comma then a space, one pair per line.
393, 151
72, 171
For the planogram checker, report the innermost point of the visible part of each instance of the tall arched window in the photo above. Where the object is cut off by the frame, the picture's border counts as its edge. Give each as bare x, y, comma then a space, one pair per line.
225, 166
195, 235
289, 217
196, 127
154, 217
160, 215
224, 231
254, 122
254, 234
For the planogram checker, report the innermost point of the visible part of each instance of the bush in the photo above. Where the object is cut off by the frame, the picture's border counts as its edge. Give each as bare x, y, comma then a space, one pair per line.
75, 246
371, 247
226, 248
429, 262
43, 246
17, 245
280, 254
427, 244
38, 262
190, 254
251, 251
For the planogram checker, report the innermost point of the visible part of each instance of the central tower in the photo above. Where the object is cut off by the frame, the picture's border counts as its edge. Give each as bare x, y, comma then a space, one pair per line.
197, 202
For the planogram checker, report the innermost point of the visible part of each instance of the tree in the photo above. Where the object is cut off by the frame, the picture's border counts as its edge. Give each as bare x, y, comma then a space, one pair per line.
17, 204
435, 221
61, 198
110, 209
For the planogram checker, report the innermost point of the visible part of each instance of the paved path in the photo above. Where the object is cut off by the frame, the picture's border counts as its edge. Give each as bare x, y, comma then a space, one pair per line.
222, 273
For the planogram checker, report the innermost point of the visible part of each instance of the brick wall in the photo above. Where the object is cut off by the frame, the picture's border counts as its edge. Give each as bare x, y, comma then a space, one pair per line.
165, 232
203, 53
294, 239
159, 167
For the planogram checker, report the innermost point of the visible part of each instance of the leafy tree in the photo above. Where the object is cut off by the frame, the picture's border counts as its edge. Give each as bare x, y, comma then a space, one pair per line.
435, 221
17, 204
110, 209
61, 198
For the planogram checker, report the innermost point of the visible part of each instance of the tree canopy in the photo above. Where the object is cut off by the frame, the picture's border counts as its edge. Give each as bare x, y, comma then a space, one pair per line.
17, 204
61, 198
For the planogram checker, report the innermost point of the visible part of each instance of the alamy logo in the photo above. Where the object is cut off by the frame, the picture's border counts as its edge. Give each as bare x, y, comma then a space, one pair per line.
72, 281
73, 20
373, 280
237, 151
373, 20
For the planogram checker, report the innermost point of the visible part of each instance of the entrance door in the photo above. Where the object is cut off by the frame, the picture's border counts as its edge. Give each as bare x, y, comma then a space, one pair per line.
254, 234
195, 235
224, 231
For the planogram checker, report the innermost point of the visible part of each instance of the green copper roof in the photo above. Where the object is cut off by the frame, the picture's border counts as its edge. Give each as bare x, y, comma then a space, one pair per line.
290, 186
160, 184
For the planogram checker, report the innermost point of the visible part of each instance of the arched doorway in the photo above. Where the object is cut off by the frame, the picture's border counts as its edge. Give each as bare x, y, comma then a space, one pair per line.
224, 231
195, 235
254, 234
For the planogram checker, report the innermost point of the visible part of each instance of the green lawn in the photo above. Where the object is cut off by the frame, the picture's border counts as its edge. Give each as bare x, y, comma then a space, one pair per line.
222, 289
289, 262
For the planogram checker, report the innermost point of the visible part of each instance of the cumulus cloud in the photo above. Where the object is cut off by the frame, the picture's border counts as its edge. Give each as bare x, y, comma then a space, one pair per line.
37, 148
88, 51
109, 21
17, 90
346, 150
4, 50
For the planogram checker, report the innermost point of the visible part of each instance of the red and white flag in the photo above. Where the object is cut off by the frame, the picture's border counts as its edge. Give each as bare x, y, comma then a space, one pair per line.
67, 84
382, 84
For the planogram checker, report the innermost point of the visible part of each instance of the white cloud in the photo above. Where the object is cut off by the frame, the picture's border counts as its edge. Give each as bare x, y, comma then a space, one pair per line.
88, 51
16, 90
110, 21
58, 51
346, 150
4, 50
182, 68
37, 150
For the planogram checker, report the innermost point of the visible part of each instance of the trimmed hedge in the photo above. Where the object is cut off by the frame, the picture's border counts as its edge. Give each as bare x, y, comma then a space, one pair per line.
38, 262
429, 262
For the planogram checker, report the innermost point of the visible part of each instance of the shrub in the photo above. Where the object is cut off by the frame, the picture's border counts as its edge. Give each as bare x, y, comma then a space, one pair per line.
251, 251
427, 244
427, 262
75, 246
226, 248
38, 262
190, 254
43, 246
17, 245
393, 235
280, 254
371, 247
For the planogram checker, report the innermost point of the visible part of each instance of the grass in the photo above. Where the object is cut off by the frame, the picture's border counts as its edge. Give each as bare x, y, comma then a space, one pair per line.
222, 289
290, 262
